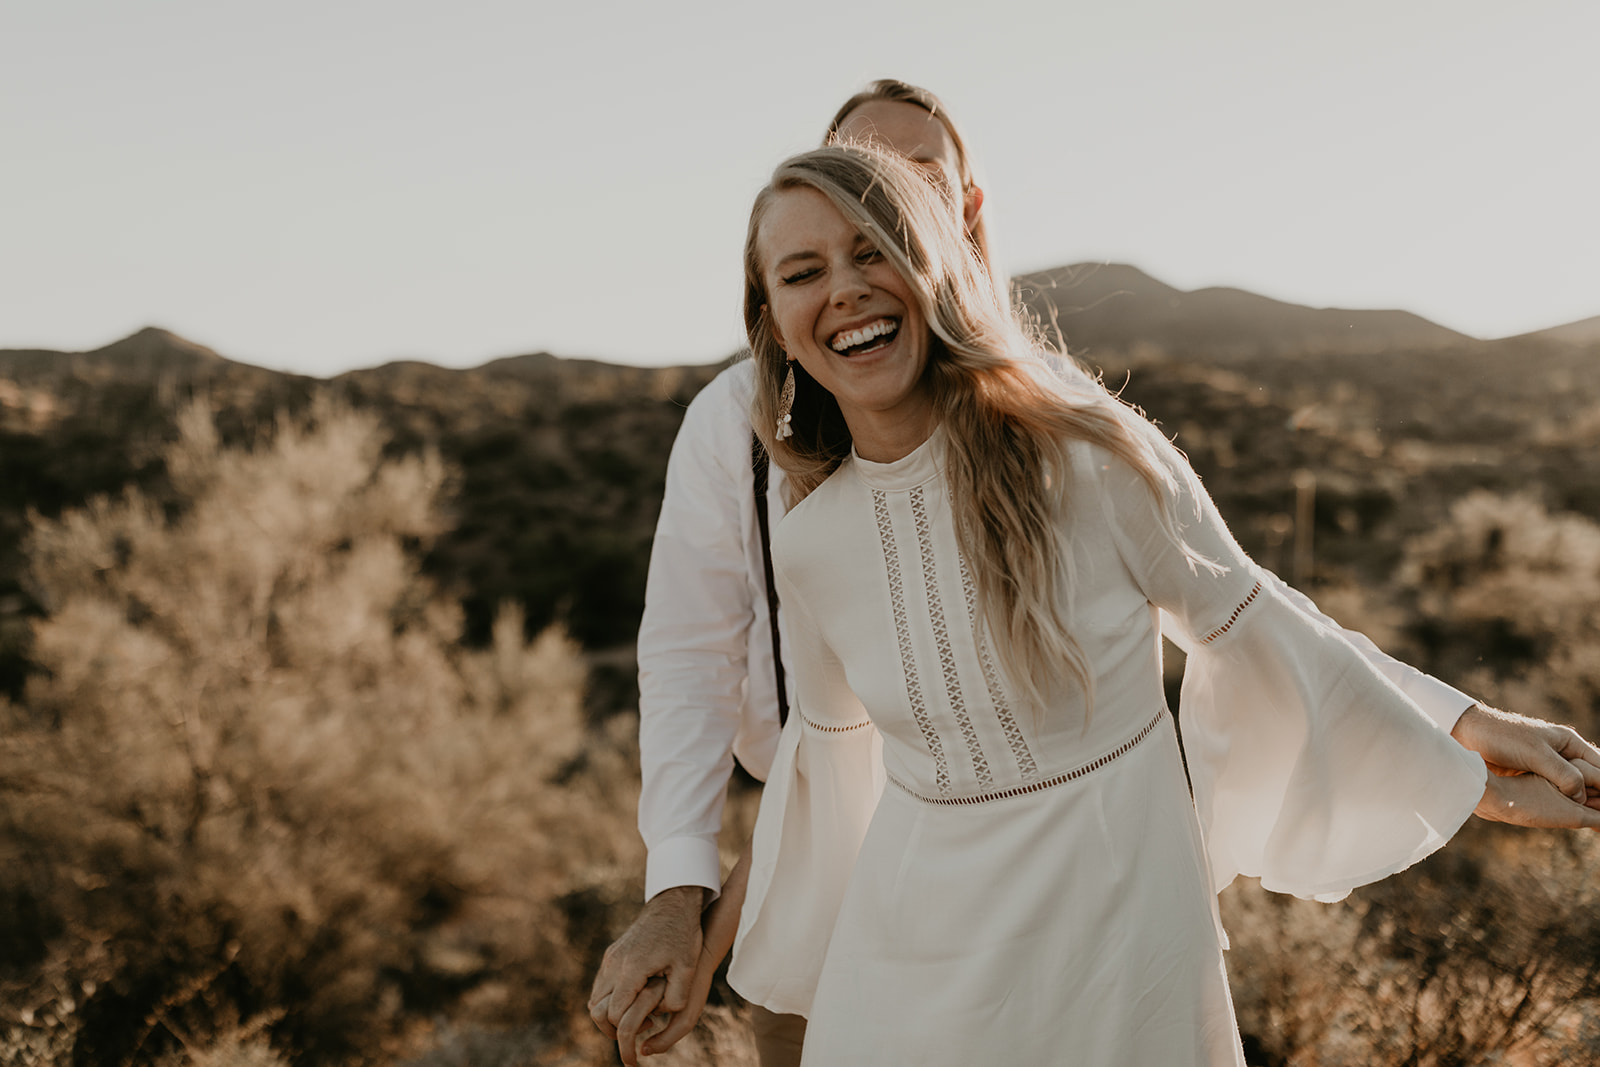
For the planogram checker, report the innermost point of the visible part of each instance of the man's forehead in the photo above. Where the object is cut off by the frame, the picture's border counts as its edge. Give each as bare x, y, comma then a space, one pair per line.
905, 128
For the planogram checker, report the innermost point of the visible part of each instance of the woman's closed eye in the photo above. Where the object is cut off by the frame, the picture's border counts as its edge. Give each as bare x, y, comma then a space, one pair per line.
800, 276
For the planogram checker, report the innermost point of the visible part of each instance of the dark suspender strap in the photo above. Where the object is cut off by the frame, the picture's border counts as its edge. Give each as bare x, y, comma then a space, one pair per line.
758, 466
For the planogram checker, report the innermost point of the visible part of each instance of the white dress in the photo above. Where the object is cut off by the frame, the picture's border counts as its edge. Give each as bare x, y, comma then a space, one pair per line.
1026, 887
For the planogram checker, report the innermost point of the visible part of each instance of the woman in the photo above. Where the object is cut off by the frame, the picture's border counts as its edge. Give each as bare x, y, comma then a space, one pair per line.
689, 717
972, 574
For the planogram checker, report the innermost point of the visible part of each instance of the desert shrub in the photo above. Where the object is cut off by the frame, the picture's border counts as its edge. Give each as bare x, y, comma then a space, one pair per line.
1487, 952
258, 784
1508, 599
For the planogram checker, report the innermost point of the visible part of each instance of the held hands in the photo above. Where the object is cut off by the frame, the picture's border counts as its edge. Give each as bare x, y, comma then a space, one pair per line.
657, 1039
647, 973
1541, 774
651, 1024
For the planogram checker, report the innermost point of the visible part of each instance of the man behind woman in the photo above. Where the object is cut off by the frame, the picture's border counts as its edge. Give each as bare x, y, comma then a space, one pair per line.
705, 632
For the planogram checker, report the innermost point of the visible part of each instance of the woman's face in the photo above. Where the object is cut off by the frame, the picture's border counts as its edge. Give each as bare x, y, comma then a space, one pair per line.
910, 131
851, 321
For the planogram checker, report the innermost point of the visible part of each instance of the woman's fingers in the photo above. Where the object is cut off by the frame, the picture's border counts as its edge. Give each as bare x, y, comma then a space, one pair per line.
637, 1018
599, 1011
680, 980
681, 1022
1529, 800
1549, 760
1591, 781
1582, 756
677, 1028
1575, 747
654, 1024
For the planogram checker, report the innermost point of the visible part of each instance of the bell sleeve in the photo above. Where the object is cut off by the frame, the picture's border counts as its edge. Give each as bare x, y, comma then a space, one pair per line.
1311, 770
819, 798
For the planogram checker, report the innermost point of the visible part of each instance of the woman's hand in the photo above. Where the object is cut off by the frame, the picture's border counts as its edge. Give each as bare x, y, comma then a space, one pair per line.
1515, 746
642, 1021
654, 1040
1529, 800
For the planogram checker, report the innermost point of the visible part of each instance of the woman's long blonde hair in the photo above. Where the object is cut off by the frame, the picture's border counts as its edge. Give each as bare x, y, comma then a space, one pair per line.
1009, 418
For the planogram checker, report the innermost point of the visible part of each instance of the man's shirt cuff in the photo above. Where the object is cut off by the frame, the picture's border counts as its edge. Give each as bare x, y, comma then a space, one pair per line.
684, 861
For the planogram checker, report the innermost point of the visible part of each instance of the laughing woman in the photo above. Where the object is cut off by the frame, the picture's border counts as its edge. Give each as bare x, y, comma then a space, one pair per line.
712, 671
972, 575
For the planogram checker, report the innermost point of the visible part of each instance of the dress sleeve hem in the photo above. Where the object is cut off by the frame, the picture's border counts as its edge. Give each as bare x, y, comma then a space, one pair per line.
1311, 770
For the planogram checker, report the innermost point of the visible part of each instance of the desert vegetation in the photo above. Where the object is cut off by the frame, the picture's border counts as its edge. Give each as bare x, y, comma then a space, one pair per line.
258, 794
317, 735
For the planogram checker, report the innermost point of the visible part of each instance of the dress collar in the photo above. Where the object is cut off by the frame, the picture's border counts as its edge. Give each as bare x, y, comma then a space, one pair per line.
922, 464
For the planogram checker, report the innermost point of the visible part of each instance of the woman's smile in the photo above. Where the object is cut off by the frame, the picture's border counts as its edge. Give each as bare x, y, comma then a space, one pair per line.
842, 311
865, 339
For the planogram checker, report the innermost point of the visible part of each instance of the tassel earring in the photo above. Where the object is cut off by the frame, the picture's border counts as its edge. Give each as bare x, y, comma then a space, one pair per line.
786, 404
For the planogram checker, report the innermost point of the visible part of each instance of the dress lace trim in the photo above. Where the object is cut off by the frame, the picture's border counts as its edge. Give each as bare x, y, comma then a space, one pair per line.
941, 637
908, 659
833, 729
1225, 627
1034, 787
991, 680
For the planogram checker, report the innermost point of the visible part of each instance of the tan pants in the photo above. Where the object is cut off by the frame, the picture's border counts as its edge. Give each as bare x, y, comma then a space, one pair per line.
778, 1037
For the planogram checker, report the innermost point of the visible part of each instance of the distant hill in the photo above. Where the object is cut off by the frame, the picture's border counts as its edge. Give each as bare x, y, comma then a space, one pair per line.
1105, 308
1112, 307
551, 379
154, 356
1582, 332
148, 354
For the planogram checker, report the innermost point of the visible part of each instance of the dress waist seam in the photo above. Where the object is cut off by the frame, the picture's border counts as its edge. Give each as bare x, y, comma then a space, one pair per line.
834, 729
1044, 783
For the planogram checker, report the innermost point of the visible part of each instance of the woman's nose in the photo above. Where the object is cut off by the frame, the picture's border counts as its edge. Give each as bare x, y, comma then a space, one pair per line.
849, 285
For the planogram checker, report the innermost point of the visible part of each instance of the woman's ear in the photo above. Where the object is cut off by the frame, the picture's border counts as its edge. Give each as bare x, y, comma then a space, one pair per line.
971, 205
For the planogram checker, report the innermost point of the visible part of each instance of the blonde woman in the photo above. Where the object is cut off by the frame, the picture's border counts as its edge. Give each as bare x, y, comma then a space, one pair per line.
971, 572
712, 670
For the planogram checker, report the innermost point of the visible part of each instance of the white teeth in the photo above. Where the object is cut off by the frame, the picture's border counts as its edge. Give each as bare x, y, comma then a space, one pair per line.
852, 338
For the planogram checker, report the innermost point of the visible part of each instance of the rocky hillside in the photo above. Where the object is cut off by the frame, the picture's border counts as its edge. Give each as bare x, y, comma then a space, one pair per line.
557, 465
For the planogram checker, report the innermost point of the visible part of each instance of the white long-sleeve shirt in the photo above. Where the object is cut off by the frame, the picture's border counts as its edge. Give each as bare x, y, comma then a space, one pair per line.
707, 684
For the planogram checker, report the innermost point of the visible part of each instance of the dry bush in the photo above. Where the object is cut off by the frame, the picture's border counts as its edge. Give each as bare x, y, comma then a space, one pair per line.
1508, 596
258, 773
1487, 952
1292, 968
1490, 950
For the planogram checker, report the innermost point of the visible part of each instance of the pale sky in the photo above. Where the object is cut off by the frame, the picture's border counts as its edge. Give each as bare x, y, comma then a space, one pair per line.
317, 186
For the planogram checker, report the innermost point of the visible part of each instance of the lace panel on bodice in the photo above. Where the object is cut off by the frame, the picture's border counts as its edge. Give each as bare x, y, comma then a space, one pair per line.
948, 647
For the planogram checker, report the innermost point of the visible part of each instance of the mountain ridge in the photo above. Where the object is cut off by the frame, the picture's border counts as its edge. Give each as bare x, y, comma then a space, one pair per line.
1581, 332
1097, 309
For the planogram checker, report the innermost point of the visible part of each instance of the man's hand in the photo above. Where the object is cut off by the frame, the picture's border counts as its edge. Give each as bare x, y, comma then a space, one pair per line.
721, 924
663, 942
1542, 774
